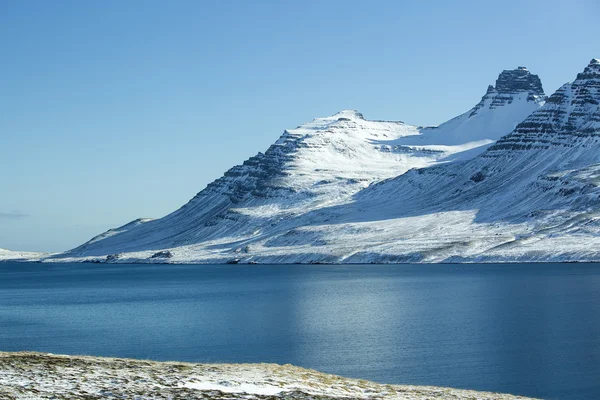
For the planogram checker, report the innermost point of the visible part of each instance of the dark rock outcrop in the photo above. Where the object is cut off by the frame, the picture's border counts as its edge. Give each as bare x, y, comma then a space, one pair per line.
518, 80
572, 112
162, 254
510, 83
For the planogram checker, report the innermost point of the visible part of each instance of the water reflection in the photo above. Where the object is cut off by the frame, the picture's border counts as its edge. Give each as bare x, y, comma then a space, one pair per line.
532, 330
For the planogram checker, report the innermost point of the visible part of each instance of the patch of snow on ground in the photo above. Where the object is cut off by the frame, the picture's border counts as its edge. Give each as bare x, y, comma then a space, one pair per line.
227, 387
46, 376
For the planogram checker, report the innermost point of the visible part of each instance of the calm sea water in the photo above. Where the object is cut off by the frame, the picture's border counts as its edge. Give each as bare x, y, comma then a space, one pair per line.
524, 329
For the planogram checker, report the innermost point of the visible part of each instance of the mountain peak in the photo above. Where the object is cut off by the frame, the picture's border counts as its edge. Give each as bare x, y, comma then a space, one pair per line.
348, 114
512, 85
592, 71
568, 118
519, 80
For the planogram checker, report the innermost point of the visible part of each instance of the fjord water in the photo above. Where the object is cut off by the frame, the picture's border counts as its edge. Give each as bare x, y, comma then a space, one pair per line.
529, 329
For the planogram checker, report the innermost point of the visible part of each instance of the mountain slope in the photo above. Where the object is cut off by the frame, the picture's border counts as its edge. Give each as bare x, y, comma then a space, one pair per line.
517, 94
533, 195
318, 164
302, 180
7, 255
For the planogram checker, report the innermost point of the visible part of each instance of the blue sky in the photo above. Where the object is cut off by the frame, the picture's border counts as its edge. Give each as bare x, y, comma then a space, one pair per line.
113, 110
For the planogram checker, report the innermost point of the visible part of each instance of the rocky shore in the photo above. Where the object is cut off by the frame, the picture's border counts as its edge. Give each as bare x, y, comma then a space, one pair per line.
27, 375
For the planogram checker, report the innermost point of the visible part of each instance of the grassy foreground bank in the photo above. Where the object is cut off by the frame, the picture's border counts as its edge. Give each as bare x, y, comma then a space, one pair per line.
28, 375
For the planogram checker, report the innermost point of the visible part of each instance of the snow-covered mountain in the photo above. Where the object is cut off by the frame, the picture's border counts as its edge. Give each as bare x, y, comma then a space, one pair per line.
532, 196
311, 196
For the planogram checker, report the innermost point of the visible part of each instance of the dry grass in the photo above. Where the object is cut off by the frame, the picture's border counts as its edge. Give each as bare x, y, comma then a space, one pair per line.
28, 375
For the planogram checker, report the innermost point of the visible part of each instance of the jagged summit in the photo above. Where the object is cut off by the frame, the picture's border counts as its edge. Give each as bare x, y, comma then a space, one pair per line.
570, 116
517, 94
519, 80
592, 71
512, 84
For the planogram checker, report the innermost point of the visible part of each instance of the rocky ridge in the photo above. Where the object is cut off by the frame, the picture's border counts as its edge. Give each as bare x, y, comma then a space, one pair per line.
570, 116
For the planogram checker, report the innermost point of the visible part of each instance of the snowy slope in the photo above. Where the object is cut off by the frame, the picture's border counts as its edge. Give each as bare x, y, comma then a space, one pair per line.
318, 164
532, 196
275, 205
517, 94
7, 255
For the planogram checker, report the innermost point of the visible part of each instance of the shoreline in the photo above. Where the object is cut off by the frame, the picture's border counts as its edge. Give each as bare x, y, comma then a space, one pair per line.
32, 375
162, 262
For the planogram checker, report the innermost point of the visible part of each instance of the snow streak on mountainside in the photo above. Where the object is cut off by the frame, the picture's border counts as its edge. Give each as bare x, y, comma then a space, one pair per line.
274, 207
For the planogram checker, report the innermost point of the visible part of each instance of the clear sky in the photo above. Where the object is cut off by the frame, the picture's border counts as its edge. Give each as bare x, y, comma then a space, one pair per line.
113, 110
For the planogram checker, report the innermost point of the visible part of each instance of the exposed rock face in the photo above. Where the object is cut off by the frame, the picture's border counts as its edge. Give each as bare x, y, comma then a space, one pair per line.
511, 83
162, 254
262, 174
517, 80
570, 115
